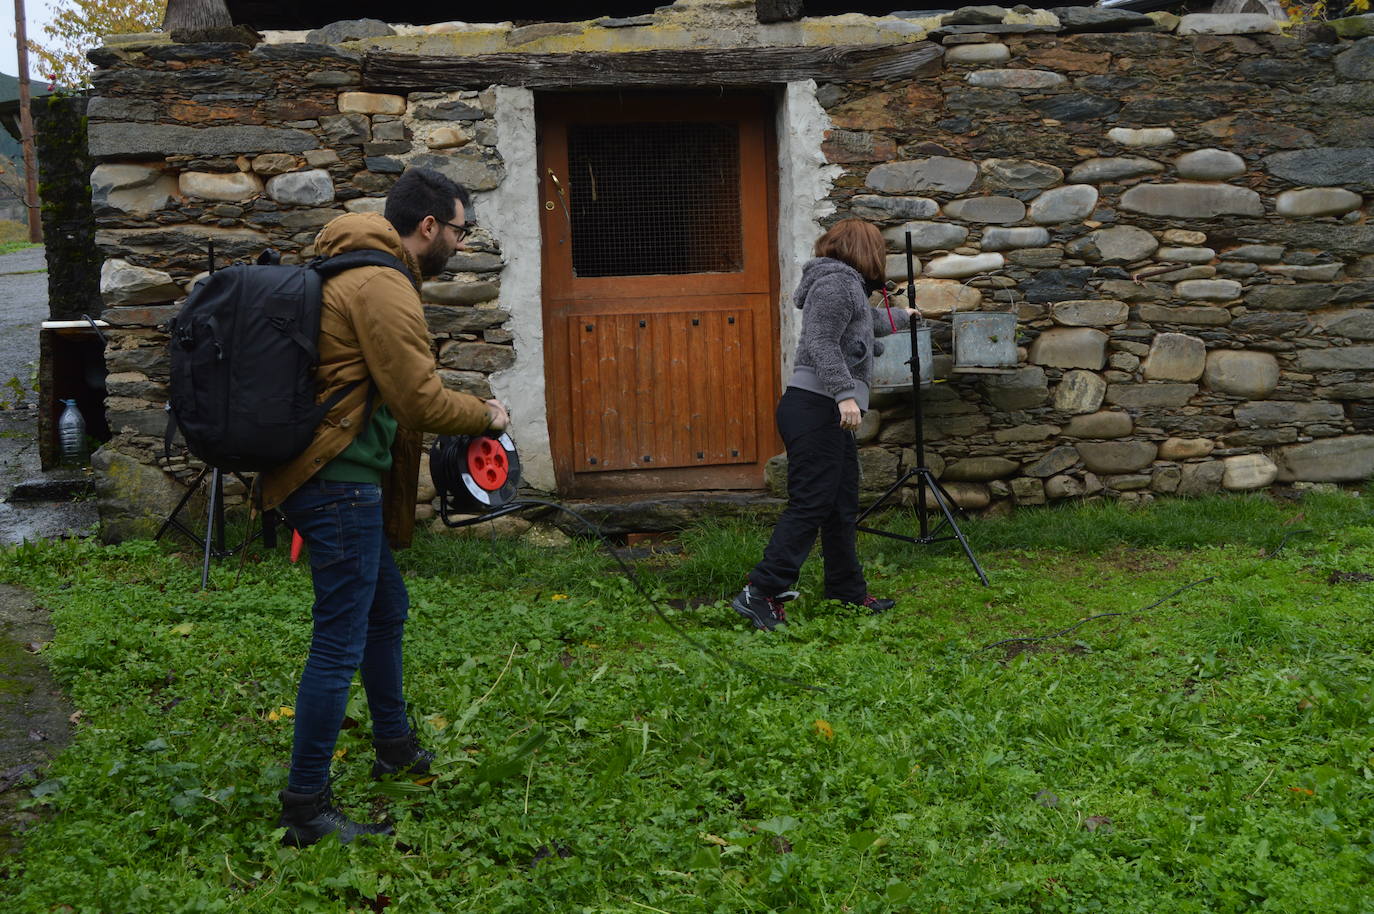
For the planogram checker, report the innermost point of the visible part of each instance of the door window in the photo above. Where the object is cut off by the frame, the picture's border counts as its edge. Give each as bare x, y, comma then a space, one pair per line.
654, 199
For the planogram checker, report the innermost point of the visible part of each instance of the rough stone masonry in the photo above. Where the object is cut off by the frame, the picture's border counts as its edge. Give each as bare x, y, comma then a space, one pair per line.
1176, 209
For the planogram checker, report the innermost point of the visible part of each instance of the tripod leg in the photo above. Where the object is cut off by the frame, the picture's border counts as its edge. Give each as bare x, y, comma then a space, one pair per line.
266, 529
935, 484
922, 514
948, 506
211, 516
218, 482
171, 518
882, 499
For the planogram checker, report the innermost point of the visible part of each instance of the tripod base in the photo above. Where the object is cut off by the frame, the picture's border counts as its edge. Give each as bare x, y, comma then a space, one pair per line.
212, 544
947, 528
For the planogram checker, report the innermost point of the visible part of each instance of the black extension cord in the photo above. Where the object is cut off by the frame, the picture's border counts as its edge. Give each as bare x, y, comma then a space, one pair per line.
446, 463
632, 575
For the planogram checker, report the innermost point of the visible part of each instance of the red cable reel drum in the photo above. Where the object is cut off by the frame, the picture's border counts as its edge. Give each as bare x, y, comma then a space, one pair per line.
480, 473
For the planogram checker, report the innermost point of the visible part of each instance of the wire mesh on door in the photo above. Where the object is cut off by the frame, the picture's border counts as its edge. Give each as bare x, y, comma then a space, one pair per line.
651, 199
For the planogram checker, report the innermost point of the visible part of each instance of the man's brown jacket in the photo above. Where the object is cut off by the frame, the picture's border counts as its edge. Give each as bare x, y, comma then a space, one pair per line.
372, 325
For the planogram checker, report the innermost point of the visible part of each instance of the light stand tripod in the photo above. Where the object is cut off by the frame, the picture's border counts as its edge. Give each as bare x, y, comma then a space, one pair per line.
212, 545
925, 478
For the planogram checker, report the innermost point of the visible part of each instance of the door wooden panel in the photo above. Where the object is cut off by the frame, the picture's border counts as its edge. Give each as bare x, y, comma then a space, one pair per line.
672, 364
660, 293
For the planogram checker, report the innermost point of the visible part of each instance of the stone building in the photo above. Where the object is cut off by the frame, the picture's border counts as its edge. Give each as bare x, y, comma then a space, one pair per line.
1176, 209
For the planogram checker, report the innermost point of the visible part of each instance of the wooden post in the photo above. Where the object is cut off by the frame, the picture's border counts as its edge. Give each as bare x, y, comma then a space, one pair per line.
26, 125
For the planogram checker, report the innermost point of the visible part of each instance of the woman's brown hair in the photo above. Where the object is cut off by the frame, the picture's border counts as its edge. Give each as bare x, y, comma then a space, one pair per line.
857, 243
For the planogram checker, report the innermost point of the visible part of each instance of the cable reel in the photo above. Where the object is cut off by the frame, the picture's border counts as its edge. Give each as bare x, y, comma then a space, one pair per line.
480, 473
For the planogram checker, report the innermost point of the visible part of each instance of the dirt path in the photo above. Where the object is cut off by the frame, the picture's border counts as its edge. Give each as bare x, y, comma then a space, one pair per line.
34, 714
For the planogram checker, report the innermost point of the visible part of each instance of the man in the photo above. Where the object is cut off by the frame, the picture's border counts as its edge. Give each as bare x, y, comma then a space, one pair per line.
351, 494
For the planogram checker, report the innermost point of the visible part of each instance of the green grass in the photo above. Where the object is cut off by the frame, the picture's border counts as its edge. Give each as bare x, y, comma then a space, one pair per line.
14, 236
1211, 754
9, 247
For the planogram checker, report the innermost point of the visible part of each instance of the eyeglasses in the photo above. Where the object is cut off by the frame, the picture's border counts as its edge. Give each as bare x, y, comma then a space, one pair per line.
460, 231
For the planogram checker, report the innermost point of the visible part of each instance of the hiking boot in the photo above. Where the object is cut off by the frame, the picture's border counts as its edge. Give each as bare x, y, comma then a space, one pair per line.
308, 817
766, 613
876, 605
401, 756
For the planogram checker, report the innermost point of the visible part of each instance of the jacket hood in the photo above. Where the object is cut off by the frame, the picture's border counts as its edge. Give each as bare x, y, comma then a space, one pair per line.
819, 268
363, 232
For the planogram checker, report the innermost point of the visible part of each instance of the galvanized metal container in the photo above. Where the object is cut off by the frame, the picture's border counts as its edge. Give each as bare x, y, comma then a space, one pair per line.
984, 341
893, 369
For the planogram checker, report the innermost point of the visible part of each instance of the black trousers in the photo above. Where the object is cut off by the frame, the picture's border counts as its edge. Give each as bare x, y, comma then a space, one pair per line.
822, 496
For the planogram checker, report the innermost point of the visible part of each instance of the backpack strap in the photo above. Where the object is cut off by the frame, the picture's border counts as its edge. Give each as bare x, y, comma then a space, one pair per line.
170, 432
329, 266
323, 409
332, 266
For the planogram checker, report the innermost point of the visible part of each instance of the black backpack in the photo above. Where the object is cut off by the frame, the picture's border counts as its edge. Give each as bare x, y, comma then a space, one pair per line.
243, 358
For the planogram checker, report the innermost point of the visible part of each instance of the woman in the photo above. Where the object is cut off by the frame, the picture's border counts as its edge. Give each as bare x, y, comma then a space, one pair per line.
817, 417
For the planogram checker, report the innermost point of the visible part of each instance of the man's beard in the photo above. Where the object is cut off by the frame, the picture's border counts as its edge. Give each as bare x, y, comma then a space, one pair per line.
435, 257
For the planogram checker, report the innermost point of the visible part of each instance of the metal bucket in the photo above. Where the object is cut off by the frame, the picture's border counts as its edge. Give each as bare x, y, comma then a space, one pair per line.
893, 369
984, 341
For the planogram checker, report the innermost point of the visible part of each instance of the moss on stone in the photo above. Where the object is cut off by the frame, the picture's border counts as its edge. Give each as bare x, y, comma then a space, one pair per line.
459, 44
854, 28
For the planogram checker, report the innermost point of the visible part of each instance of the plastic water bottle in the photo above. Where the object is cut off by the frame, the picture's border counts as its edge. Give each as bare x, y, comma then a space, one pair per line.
71, 434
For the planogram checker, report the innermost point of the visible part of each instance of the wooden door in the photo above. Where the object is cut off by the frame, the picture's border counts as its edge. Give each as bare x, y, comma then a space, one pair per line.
660, 317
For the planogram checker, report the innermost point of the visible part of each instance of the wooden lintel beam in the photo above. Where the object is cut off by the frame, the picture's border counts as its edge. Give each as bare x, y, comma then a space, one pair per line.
678, 68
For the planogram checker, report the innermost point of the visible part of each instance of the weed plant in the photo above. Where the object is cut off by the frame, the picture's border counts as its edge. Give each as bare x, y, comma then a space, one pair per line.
1211, 754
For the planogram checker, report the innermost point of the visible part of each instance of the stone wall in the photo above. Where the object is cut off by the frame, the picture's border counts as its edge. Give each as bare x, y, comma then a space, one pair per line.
64, 168
223, 148
69, 366
1178, 214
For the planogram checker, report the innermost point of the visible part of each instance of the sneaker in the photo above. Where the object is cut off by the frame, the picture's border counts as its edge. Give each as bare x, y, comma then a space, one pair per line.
308, 817
766, 613
876, 605
401, 756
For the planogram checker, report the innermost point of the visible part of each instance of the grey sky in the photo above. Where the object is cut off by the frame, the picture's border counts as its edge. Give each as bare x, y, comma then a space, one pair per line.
37, 13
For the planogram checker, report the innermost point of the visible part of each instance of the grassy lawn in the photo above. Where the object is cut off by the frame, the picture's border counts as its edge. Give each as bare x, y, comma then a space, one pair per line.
1213, 753
14, 236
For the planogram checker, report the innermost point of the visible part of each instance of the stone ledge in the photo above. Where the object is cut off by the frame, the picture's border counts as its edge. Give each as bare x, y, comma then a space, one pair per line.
55, 487
662, 513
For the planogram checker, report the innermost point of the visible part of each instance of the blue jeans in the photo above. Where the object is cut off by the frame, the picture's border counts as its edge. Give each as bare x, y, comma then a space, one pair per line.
360, 610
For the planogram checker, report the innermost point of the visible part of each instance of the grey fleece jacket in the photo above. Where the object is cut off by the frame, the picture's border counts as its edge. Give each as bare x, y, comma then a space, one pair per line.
837, 346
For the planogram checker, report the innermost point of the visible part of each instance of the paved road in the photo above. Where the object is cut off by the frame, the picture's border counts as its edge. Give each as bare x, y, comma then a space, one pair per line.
23, 308
33, 713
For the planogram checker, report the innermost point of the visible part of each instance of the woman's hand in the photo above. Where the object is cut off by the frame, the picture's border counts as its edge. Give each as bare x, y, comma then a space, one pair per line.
850, 415
912, 313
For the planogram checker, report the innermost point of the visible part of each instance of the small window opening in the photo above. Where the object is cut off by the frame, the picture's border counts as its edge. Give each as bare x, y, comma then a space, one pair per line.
650, 199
